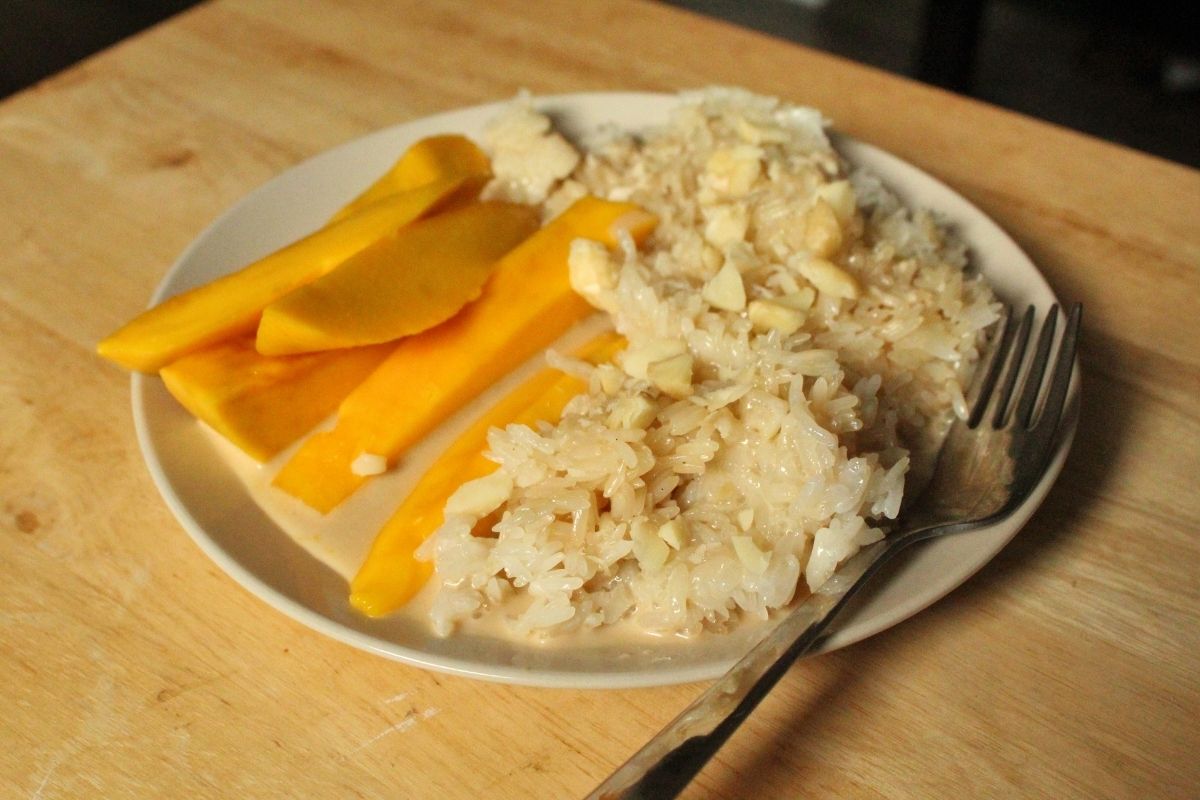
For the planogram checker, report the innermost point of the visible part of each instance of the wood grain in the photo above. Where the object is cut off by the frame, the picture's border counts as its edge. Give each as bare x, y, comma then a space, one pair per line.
1066, 668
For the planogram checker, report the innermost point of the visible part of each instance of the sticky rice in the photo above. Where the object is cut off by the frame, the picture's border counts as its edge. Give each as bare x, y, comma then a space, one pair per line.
798, 344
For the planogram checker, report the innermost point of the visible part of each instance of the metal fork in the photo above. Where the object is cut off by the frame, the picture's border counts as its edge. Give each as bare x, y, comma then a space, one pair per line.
987, 467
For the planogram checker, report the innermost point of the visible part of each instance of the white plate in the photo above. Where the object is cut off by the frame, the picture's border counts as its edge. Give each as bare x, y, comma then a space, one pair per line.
221, 515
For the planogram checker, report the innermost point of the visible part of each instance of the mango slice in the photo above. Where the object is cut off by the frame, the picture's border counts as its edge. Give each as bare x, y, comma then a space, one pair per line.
525, 306
391, 575
262, 404
232, 304
428, 160
405, 283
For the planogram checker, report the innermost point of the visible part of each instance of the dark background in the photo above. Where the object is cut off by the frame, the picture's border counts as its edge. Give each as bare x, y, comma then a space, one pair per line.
1128, 72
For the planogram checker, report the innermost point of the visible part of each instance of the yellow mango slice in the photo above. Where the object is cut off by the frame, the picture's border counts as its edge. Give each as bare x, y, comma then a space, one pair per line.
525, 306
428, 160
391, 575
404, 283
232, 304
261, 403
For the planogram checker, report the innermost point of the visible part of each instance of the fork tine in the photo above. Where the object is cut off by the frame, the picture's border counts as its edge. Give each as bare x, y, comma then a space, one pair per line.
1060, 380
1014, 369
985, 383
1032, 385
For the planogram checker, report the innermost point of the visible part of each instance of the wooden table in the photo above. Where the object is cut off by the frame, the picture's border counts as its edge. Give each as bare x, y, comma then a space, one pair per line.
134, 668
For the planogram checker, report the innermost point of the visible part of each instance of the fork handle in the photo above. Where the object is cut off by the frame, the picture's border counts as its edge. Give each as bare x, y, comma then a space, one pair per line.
668, 762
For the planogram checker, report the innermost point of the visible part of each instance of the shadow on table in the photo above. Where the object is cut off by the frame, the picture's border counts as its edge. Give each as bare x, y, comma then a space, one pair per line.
1104, 415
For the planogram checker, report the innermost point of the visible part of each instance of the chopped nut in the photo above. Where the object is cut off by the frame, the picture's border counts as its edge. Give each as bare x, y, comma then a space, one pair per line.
636, 361
753, 559
801, 300
745, 518
674, 533
480, 496
369, 464
632, 412
672, 375
610, 377
592, 272
830, 278
711, 258
734, 170
822, 231
726, 224
840, 197
650, 551
590, 260
767, 315
726, 289
755, 134
528, 157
